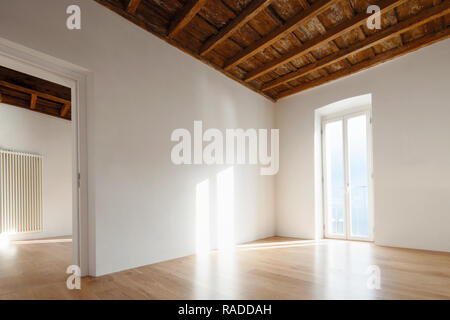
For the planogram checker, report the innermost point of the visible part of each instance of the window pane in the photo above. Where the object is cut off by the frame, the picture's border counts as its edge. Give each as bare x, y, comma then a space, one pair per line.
335, 177
357, 157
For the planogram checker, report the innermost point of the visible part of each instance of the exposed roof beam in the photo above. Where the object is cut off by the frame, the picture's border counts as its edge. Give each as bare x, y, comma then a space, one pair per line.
414, 21
293, 23
65, 109
132, 6
254, 8
33, 101
136, 19
186, 14
331, 35
383, 57
30, 91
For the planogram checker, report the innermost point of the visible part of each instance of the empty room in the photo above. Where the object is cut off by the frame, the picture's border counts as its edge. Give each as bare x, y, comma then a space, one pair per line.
225, 150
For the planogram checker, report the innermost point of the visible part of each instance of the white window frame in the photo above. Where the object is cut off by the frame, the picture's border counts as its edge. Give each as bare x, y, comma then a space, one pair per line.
344, 116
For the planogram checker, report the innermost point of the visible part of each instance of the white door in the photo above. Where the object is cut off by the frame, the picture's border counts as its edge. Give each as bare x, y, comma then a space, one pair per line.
347, 169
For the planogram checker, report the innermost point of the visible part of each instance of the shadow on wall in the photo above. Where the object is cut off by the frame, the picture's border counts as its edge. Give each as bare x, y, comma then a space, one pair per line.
215, 206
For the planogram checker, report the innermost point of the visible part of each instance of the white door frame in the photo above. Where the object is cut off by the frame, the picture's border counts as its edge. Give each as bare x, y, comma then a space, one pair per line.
344, 116
32, 62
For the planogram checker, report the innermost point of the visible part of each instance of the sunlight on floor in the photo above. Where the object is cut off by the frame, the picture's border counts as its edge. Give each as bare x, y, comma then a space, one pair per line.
279, 245
38, 241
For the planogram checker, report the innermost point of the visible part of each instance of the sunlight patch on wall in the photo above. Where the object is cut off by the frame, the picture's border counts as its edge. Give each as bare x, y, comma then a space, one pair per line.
225, 208
202, 217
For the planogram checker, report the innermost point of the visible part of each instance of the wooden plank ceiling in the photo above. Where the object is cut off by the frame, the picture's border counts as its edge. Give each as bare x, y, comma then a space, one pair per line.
282, 47
35, 94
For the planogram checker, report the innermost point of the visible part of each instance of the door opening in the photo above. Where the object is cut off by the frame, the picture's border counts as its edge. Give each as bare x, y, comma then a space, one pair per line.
347, 175
31, 62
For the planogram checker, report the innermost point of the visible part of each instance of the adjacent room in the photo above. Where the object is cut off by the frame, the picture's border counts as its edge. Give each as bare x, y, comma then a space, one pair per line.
225, 149
35, 177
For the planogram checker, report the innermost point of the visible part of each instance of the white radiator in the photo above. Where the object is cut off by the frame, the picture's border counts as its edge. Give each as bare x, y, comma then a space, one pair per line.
20, 192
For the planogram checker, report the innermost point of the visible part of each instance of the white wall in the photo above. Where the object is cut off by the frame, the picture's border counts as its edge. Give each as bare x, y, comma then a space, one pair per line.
411, 116
141, 90
31, 132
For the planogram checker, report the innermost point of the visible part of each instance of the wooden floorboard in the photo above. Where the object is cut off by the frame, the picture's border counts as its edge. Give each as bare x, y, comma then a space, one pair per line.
274, 268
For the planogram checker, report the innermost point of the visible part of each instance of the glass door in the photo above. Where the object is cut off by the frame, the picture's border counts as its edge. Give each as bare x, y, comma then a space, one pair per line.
335, 202
347, 177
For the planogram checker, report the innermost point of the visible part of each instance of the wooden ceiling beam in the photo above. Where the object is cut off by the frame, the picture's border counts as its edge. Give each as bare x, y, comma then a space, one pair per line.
31, 92
253, 9
383, 57
293, 23
33, 101
65, 109
414, 21
332, 34
132, 6
140, 21
186, 14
